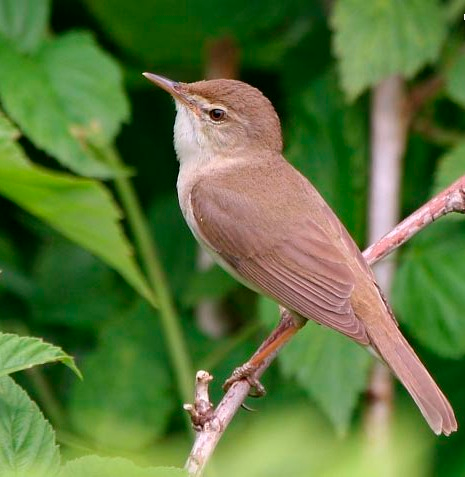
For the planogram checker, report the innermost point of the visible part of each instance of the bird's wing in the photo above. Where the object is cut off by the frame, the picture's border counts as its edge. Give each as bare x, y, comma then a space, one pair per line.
292, 260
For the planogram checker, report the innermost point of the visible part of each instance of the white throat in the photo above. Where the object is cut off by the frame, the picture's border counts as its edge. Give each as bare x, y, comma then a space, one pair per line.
188, 140
193, 157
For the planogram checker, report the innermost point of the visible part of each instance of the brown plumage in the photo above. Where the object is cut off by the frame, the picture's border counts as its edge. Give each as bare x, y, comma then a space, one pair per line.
265, 223
311, 266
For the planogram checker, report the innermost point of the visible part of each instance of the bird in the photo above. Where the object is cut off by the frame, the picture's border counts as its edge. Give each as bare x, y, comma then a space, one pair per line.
267, 225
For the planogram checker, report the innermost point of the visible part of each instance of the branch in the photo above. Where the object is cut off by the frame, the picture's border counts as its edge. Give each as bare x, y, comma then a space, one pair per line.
451, 199
207, 437
390, 114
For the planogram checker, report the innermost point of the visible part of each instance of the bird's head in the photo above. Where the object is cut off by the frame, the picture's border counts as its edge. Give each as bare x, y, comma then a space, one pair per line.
221, 118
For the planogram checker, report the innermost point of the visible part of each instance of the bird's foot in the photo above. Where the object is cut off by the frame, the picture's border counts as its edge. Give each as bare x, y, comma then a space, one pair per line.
246, 371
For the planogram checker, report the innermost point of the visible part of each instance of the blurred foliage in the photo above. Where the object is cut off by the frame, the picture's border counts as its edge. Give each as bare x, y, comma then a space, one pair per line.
390, 39
96, 257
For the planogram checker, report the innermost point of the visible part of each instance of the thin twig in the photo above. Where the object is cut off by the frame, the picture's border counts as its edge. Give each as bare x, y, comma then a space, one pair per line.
451, 199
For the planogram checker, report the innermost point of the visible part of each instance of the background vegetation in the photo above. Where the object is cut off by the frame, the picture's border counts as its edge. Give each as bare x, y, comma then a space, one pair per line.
87, 175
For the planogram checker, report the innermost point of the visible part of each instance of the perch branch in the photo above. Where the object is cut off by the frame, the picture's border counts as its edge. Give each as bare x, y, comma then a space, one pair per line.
207, 437
449, 200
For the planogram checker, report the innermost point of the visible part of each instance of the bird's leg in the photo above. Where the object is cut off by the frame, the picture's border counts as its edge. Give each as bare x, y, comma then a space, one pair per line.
287, 327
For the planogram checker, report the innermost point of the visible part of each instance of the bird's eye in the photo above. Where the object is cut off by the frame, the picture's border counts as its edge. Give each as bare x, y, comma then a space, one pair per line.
217, 114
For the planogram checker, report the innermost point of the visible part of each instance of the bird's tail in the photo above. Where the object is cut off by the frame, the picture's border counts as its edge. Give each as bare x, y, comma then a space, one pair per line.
400, 357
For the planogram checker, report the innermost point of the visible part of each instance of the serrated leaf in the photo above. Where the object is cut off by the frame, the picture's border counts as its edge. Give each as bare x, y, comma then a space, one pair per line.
328, 366
28, 440
429, 290
82, 210
451, 166
455, 79
24, 352
327, 143
126, 399
95, 466
24, 22
379, 38
90, 101
61, 104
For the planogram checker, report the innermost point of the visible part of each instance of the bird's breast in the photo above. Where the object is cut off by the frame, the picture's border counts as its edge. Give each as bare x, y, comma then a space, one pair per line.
186, 181
189, 174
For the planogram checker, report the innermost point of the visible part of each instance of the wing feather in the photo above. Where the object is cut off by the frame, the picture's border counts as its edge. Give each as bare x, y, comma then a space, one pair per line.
293, 260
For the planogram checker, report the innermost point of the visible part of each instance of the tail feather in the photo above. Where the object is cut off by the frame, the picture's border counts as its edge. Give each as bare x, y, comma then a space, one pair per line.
400, 357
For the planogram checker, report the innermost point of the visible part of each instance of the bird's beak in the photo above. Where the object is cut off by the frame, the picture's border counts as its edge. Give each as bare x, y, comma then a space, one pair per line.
174, 88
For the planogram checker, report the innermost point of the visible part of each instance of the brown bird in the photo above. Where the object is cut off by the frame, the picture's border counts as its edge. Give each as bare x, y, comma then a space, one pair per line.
269, 227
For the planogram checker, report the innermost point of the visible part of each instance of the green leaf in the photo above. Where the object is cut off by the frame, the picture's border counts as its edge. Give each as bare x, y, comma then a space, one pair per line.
81, 209
451, 167
28, 441
127, 397
24, 352
327, 143
213, 283
429, 290
95, 466
328, 366
94, 101
61, 104
24, 22
7, 130
455, 79
379, 38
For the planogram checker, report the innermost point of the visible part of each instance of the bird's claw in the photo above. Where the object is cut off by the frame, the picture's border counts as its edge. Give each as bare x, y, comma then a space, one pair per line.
246, 371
